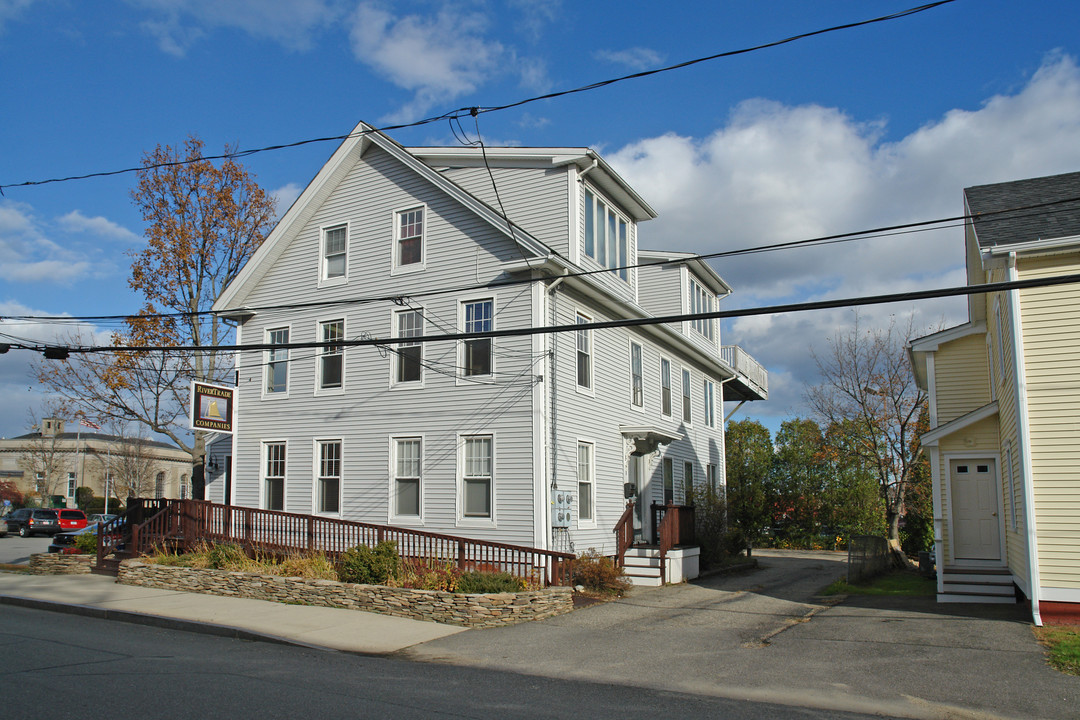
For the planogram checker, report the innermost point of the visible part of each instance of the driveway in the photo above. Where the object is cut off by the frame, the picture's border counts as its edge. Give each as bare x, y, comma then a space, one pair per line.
764, 635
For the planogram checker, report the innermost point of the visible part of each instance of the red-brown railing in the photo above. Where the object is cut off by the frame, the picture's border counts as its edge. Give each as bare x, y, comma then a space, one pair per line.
182, 524
676, 527
624, 534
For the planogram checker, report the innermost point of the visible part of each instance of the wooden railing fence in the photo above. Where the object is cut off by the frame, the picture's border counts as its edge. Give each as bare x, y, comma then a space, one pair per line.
624, 534
183, 524
674, 526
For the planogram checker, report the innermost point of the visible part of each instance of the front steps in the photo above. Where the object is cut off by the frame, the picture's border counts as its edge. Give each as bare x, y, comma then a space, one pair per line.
976, 585
642, 565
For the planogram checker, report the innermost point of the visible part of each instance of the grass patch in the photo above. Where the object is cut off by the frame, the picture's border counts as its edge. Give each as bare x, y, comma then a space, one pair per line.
1063, 647
900, 583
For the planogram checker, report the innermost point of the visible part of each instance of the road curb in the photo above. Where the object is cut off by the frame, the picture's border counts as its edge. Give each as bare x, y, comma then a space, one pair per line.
158, 621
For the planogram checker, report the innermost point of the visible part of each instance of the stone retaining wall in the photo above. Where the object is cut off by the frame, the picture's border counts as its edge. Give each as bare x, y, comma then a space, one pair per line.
469, 610
60, 564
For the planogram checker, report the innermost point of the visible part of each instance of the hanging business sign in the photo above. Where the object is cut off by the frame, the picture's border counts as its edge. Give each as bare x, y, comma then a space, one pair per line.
212, 407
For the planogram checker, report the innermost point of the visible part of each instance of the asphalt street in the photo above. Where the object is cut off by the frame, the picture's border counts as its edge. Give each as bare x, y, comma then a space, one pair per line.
57, 665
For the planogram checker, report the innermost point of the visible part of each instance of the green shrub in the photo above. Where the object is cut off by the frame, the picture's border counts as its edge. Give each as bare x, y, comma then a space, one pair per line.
86, 543
488, 582
426, 574
226, 556
370, 565
711, 526
599, 574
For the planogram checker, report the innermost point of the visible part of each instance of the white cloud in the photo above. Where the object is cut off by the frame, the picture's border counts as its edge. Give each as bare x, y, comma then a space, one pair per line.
75, 221
637, 58
178, 24
536, 15
285, 196
777, 173
12, 9
436, 57
28, 255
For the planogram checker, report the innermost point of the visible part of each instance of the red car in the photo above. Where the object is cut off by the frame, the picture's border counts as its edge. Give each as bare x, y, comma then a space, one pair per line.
71, 519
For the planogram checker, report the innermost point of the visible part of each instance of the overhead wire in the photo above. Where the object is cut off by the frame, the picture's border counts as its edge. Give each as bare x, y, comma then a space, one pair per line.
475, 110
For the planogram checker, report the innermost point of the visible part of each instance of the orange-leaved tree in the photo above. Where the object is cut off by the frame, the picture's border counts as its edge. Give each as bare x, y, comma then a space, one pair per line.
204, 221
868, 386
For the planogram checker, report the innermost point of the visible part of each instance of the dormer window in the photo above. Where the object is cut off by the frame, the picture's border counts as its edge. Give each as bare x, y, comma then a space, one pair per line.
701, 301
606, 236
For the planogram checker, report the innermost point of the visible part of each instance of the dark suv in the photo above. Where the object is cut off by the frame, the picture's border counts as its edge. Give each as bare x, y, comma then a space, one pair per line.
33, 521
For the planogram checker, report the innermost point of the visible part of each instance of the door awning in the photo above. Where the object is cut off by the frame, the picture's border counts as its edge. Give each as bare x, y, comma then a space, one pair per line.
646, 438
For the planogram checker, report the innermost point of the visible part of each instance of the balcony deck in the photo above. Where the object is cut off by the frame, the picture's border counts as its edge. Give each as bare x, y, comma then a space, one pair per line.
751, 378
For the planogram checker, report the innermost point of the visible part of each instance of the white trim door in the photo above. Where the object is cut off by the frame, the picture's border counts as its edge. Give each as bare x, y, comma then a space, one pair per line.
976, 532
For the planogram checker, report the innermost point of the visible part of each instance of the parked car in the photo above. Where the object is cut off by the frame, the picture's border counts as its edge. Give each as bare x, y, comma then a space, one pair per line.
71, 518
33, 521
64, 542
100, 518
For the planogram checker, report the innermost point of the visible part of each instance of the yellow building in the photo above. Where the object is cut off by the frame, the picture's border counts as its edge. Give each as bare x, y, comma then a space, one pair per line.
1004, 388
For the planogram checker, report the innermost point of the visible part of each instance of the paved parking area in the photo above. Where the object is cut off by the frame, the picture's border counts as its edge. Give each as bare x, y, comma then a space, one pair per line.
763, 635
15, 550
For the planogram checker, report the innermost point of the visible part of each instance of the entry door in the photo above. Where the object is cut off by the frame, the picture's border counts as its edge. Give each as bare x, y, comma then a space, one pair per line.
636, 477
976, 533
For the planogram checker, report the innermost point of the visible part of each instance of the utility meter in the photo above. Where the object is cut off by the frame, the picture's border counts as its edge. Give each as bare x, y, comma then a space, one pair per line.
562, 503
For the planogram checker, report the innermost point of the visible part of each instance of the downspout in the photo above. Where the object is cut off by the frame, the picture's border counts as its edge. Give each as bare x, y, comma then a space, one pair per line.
1024, 445
585, 171
553, 389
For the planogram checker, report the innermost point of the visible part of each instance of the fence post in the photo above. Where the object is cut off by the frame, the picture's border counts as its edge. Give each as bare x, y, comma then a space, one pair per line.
461, 556
311, 533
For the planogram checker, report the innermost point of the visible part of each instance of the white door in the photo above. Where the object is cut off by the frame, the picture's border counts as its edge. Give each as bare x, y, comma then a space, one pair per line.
976, 534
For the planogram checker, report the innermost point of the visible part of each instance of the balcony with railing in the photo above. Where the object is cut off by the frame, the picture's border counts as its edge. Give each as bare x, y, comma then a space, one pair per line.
751, 378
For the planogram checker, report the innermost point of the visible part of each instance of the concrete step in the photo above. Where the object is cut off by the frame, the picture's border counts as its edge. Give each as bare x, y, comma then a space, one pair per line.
644, 581
976, 588
976, 599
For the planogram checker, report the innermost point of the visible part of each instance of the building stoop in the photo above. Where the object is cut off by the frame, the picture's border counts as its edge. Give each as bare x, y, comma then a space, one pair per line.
642, 565
976, 585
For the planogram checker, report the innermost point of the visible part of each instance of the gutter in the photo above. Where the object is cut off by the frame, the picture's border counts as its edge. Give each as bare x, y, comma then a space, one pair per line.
1024, 431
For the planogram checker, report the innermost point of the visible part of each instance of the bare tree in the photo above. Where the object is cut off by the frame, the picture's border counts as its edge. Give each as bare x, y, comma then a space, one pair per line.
129, 466
204, 222
866, 381
44, 456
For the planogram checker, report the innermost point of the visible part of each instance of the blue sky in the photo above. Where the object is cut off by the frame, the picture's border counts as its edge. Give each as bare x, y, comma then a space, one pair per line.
840, 132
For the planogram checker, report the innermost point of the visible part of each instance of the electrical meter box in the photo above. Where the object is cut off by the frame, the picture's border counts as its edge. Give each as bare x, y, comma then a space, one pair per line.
562, 504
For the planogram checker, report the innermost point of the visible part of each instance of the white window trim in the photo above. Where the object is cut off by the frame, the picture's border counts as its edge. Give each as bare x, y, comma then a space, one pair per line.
395, 384
686, 387
584, 258
630, 374
395, 267
391, 511
325, 281
462, 378
316, 458
585, 524
319, 389
671, 387
469, 521
266, 395
591, 389
708, 388
262, 474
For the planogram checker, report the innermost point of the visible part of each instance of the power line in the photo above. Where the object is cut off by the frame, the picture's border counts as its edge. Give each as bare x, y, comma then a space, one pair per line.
475, 110
910, 296
883, 231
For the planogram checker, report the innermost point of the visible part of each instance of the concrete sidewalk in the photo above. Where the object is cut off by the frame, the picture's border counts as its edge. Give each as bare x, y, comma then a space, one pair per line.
102, 596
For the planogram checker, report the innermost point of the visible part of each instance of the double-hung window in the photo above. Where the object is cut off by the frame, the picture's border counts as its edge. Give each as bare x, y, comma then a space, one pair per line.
407, 467
686, 416
584, 354
274, 476
277, 361
335, 252
477, 475
585, 481
409, 249
665, 387
606, 236
688, 481
328, 490
710, 477
701, 301
409, 355
71, 485
331, 357
476, 352
637, 383
710, 403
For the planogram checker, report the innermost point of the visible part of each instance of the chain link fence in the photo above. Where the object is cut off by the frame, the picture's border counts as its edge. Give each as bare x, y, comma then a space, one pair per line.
867, 556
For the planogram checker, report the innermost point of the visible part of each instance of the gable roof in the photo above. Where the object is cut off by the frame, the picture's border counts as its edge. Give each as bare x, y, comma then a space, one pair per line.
1025, 226
326, 181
